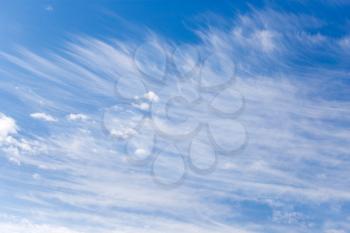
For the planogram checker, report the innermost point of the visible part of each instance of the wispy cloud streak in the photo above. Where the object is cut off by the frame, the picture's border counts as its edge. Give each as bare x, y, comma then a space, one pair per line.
296, 158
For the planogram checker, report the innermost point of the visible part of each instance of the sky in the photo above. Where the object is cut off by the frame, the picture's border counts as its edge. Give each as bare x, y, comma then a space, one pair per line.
152, 116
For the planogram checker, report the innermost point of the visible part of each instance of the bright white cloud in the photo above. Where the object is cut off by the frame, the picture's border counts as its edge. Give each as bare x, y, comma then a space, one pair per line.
77, 117
151, 96
142, 106
43, 116
7, 126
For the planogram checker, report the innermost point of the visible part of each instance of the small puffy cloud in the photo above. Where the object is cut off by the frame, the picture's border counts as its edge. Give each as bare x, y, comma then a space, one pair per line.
43, 116
7, 126
151, 96
123, 133
77, 117
140, 152
14, 147
142, 106
9, 143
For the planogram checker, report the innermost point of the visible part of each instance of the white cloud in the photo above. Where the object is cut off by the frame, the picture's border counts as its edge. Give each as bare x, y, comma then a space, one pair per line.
77, 117
7, 126
266, 40
123, 133
43, 117
151, 96
141, 152
12, 143
141, 106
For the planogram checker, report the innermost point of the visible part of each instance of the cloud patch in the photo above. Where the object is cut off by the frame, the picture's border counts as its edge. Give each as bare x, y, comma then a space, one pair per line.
43, 117
7, 126
77, 117
151, 96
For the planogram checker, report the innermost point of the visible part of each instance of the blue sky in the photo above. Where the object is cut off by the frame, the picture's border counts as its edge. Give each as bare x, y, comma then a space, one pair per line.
154, 116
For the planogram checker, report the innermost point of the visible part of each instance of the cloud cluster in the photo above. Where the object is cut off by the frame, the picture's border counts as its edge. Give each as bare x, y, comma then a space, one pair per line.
77, 117
7, 126
43, 116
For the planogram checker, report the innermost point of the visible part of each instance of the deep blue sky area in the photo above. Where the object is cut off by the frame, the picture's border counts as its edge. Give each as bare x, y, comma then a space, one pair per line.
31, 24
36, 25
